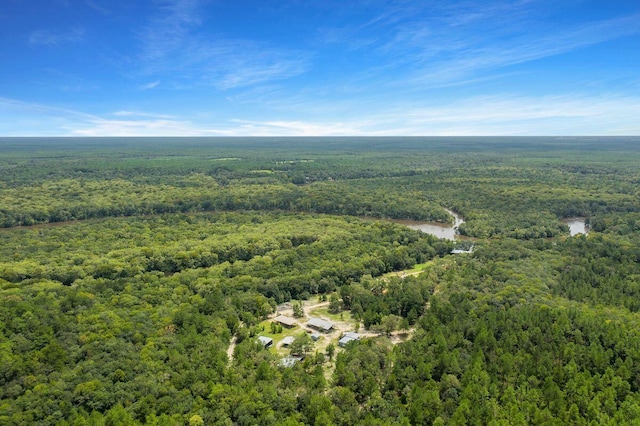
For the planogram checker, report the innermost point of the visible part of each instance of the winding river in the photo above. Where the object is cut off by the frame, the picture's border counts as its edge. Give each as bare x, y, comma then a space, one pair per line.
577, 226
437, 229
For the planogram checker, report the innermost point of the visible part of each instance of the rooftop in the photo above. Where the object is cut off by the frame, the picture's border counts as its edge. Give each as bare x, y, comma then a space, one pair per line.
265, 341
287, 341
347, 337
288, 321
320, 324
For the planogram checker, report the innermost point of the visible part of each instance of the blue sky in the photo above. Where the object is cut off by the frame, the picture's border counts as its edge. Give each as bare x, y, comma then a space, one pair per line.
312, 67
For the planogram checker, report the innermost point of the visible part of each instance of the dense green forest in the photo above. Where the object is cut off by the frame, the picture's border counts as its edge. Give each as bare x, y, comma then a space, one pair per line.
137, 274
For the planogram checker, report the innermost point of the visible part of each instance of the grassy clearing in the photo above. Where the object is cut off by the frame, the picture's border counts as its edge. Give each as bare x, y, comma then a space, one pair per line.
324, 313
417, 269
277, 337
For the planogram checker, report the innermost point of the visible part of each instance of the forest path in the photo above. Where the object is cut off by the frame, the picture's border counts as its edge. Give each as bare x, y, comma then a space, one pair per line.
231, 349
309, 308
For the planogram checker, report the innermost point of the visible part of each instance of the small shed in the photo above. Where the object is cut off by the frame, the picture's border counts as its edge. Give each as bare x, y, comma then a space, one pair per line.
320, 324
347, 337
266, 342
287, 341
315, 336
285, 321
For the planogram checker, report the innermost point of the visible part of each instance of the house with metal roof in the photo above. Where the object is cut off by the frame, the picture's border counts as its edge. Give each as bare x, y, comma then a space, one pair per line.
320, 324
347, 337
266, 342
287, 341
285, 321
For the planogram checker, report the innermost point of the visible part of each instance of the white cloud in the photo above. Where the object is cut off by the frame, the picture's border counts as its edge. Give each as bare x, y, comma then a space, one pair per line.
169, 29
300, 128
98, 7
148, 127
150, 85
425, 46
520, 115
125, 113
501, 115
15, 106
471, 59
55, 38
170, 47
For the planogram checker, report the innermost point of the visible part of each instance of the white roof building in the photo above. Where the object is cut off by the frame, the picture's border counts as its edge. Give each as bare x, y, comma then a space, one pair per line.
320, 324
265, 341
287, 341
347, 337
286, 321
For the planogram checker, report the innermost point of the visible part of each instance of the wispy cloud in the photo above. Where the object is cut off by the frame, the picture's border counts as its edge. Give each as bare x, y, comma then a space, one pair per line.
150, 85
520, 115
54, 38
20, 118
170, 46
125, 113
440, 43
300, 128
98, 7
468, 60
18, 106
501, 115
135, 123
148, 127
236, 63
170, 29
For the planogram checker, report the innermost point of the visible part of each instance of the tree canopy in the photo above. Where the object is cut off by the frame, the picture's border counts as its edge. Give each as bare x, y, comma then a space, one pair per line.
131, 269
